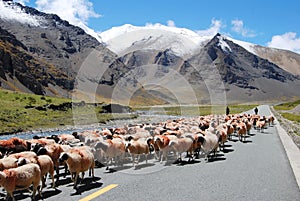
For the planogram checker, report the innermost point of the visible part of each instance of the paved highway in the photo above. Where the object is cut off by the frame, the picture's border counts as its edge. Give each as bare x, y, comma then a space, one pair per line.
256, 170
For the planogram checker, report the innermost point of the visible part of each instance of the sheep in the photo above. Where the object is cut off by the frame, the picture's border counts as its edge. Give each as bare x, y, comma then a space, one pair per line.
79, 159
111, 148
261, 124
162, 141
14, 145
52, 150
223, 132
209, 143
241, 131
230, 130
138, 147
21, 178
46, 165
182, 144
29, 155
271, 120
8, 162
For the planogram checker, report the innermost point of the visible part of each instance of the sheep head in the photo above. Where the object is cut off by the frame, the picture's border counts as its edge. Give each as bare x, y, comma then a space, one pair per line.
63, 157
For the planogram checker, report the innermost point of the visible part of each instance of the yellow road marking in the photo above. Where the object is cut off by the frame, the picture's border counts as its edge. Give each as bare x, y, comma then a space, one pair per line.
97, 193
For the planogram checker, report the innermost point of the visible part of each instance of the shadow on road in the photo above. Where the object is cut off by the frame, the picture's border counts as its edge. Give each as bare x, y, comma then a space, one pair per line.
186, 162
117, 168
87, 184
141, 166
226, 150
47, 193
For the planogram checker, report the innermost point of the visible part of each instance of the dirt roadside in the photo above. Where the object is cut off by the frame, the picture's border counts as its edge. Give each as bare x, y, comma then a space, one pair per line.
292, 128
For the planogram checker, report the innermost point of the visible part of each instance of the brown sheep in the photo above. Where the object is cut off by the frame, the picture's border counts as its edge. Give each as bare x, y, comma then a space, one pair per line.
46, 165
52, 150
8, 162
79, 159
21, 178
138, 147
111, 148
14, 145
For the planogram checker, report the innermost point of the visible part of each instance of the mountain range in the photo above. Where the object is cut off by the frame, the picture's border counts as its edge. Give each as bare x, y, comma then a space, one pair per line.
41, 53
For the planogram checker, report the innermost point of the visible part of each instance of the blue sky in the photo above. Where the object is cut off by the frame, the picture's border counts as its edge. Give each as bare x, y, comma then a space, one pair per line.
267, 23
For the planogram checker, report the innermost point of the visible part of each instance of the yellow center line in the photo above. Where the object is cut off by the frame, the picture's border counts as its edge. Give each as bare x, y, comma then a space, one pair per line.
98, 193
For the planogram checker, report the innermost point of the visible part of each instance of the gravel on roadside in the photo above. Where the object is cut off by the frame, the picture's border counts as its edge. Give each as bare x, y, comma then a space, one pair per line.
291, 127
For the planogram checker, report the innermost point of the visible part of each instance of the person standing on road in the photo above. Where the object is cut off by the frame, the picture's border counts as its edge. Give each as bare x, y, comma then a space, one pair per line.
256, 111
227, 110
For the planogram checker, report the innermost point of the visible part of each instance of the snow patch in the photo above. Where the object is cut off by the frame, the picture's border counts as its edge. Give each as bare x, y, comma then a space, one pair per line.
250, 47
222, 43
12, 12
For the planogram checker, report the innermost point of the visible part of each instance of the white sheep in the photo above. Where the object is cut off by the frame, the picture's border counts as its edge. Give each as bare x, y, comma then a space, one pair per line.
209, 143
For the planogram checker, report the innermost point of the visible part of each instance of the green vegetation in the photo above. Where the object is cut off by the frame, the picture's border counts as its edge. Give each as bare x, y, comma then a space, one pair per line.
287, 106
283, 110
24, 112
196, 110
291, 117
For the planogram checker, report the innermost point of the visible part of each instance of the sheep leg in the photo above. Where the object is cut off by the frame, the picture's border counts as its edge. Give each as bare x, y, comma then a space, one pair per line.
66, 170
164, 154
43, 178
10, 194
75, 180
91, 170
51, 172
57, 173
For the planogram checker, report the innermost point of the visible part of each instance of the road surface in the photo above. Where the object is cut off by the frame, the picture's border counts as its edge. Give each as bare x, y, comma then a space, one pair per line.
256, 170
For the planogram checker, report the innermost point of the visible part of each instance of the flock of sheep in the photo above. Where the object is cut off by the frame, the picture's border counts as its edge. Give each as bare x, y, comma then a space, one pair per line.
26, 163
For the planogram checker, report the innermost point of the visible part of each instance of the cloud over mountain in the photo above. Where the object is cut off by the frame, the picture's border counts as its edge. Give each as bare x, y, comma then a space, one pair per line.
288, 41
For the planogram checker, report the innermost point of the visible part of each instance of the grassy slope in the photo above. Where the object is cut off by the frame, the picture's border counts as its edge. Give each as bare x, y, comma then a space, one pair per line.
285, 107
14, 117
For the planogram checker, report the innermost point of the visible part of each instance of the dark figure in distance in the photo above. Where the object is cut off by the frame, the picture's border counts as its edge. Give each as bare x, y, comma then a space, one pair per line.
256, 111
227, 110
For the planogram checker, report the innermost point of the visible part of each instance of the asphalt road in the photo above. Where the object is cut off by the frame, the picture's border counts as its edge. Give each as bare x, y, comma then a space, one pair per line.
256, 170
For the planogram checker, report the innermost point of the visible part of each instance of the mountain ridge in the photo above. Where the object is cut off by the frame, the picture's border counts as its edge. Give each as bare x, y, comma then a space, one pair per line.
163, 65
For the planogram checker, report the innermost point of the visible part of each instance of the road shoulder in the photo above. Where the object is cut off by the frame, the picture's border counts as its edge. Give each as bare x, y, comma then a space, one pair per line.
291, 149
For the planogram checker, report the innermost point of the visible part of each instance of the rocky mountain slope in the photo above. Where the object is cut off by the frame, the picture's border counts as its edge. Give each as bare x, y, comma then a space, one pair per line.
220, 72
43, 54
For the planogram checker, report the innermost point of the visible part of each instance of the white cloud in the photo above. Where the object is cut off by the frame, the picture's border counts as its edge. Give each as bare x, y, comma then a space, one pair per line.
214, 28
238, 27
171, 23
77, 12
287, 41
23, 2
74, 11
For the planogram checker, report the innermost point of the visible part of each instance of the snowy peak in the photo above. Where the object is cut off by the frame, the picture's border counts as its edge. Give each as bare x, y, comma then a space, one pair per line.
181, 41
128, 38
14, 12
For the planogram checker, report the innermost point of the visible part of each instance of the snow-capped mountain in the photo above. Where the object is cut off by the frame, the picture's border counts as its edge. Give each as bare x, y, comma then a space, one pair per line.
41, 53
181, 41
128, 38
184, 43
